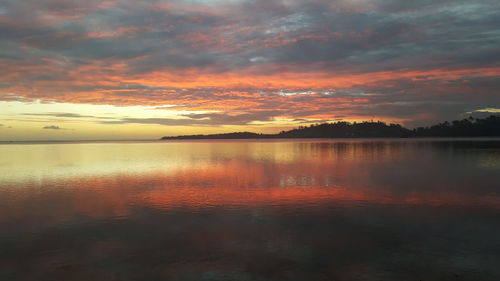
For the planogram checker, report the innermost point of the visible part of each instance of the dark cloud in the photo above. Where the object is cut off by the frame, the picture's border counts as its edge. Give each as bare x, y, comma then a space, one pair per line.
66, 115
157, 121
209, 119
11, 97
69, 115
238, 119
390, 33
52, 127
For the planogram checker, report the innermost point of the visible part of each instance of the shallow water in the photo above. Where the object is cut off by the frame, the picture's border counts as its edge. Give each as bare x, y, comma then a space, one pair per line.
400, 209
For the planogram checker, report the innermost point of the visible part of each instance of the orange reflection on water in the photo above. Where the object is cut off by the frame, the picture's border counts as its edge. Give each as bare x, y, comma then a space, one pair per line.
235, 187
82, 180
300, 196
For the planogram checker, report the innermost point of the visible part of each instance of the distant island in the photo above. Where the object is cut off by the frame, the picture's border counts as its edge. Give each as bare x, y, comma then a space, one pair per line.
470, 127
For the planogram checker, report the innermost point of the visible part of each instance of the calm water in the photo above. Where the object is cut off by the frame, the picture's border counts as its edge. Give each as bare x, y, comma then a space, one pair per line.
242, 210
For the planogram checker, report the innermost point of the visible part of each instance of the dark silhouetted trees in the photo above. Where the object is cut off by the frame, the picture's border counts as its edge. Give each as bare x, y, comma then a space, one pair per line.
348, 130
487, 127
238, 135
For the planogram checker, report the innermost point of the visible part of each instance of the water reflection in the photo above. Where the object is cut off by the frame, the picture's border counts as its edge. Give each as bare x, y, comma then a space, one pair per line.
243, 210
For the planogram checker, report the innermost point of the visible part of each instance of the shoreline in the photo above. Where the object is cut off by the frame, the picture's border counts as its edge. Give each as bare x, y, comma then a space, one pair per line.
267, 139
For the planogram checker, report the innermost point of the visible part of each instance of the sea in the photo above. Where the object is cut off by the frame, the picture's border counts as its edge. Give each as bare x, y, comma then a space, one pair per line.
301, 209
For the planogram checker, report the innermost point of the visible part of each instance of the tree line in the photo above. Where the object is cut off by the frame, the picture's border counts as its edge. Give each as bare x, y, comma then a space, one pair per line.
468, 127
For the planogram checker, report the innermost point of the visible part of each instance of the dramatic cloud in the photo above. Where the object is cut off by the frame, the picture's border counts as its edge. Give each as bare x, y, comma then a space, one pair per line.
413, 61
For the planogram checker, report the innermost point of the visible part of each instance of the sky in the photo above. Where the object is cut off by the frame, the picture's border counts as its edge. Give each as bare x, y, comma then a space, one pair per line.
128, 69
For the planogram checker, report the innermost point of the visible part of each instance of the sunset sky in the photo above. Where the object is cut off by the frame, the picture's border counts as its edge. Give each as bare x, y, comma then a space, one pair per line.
128, 69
